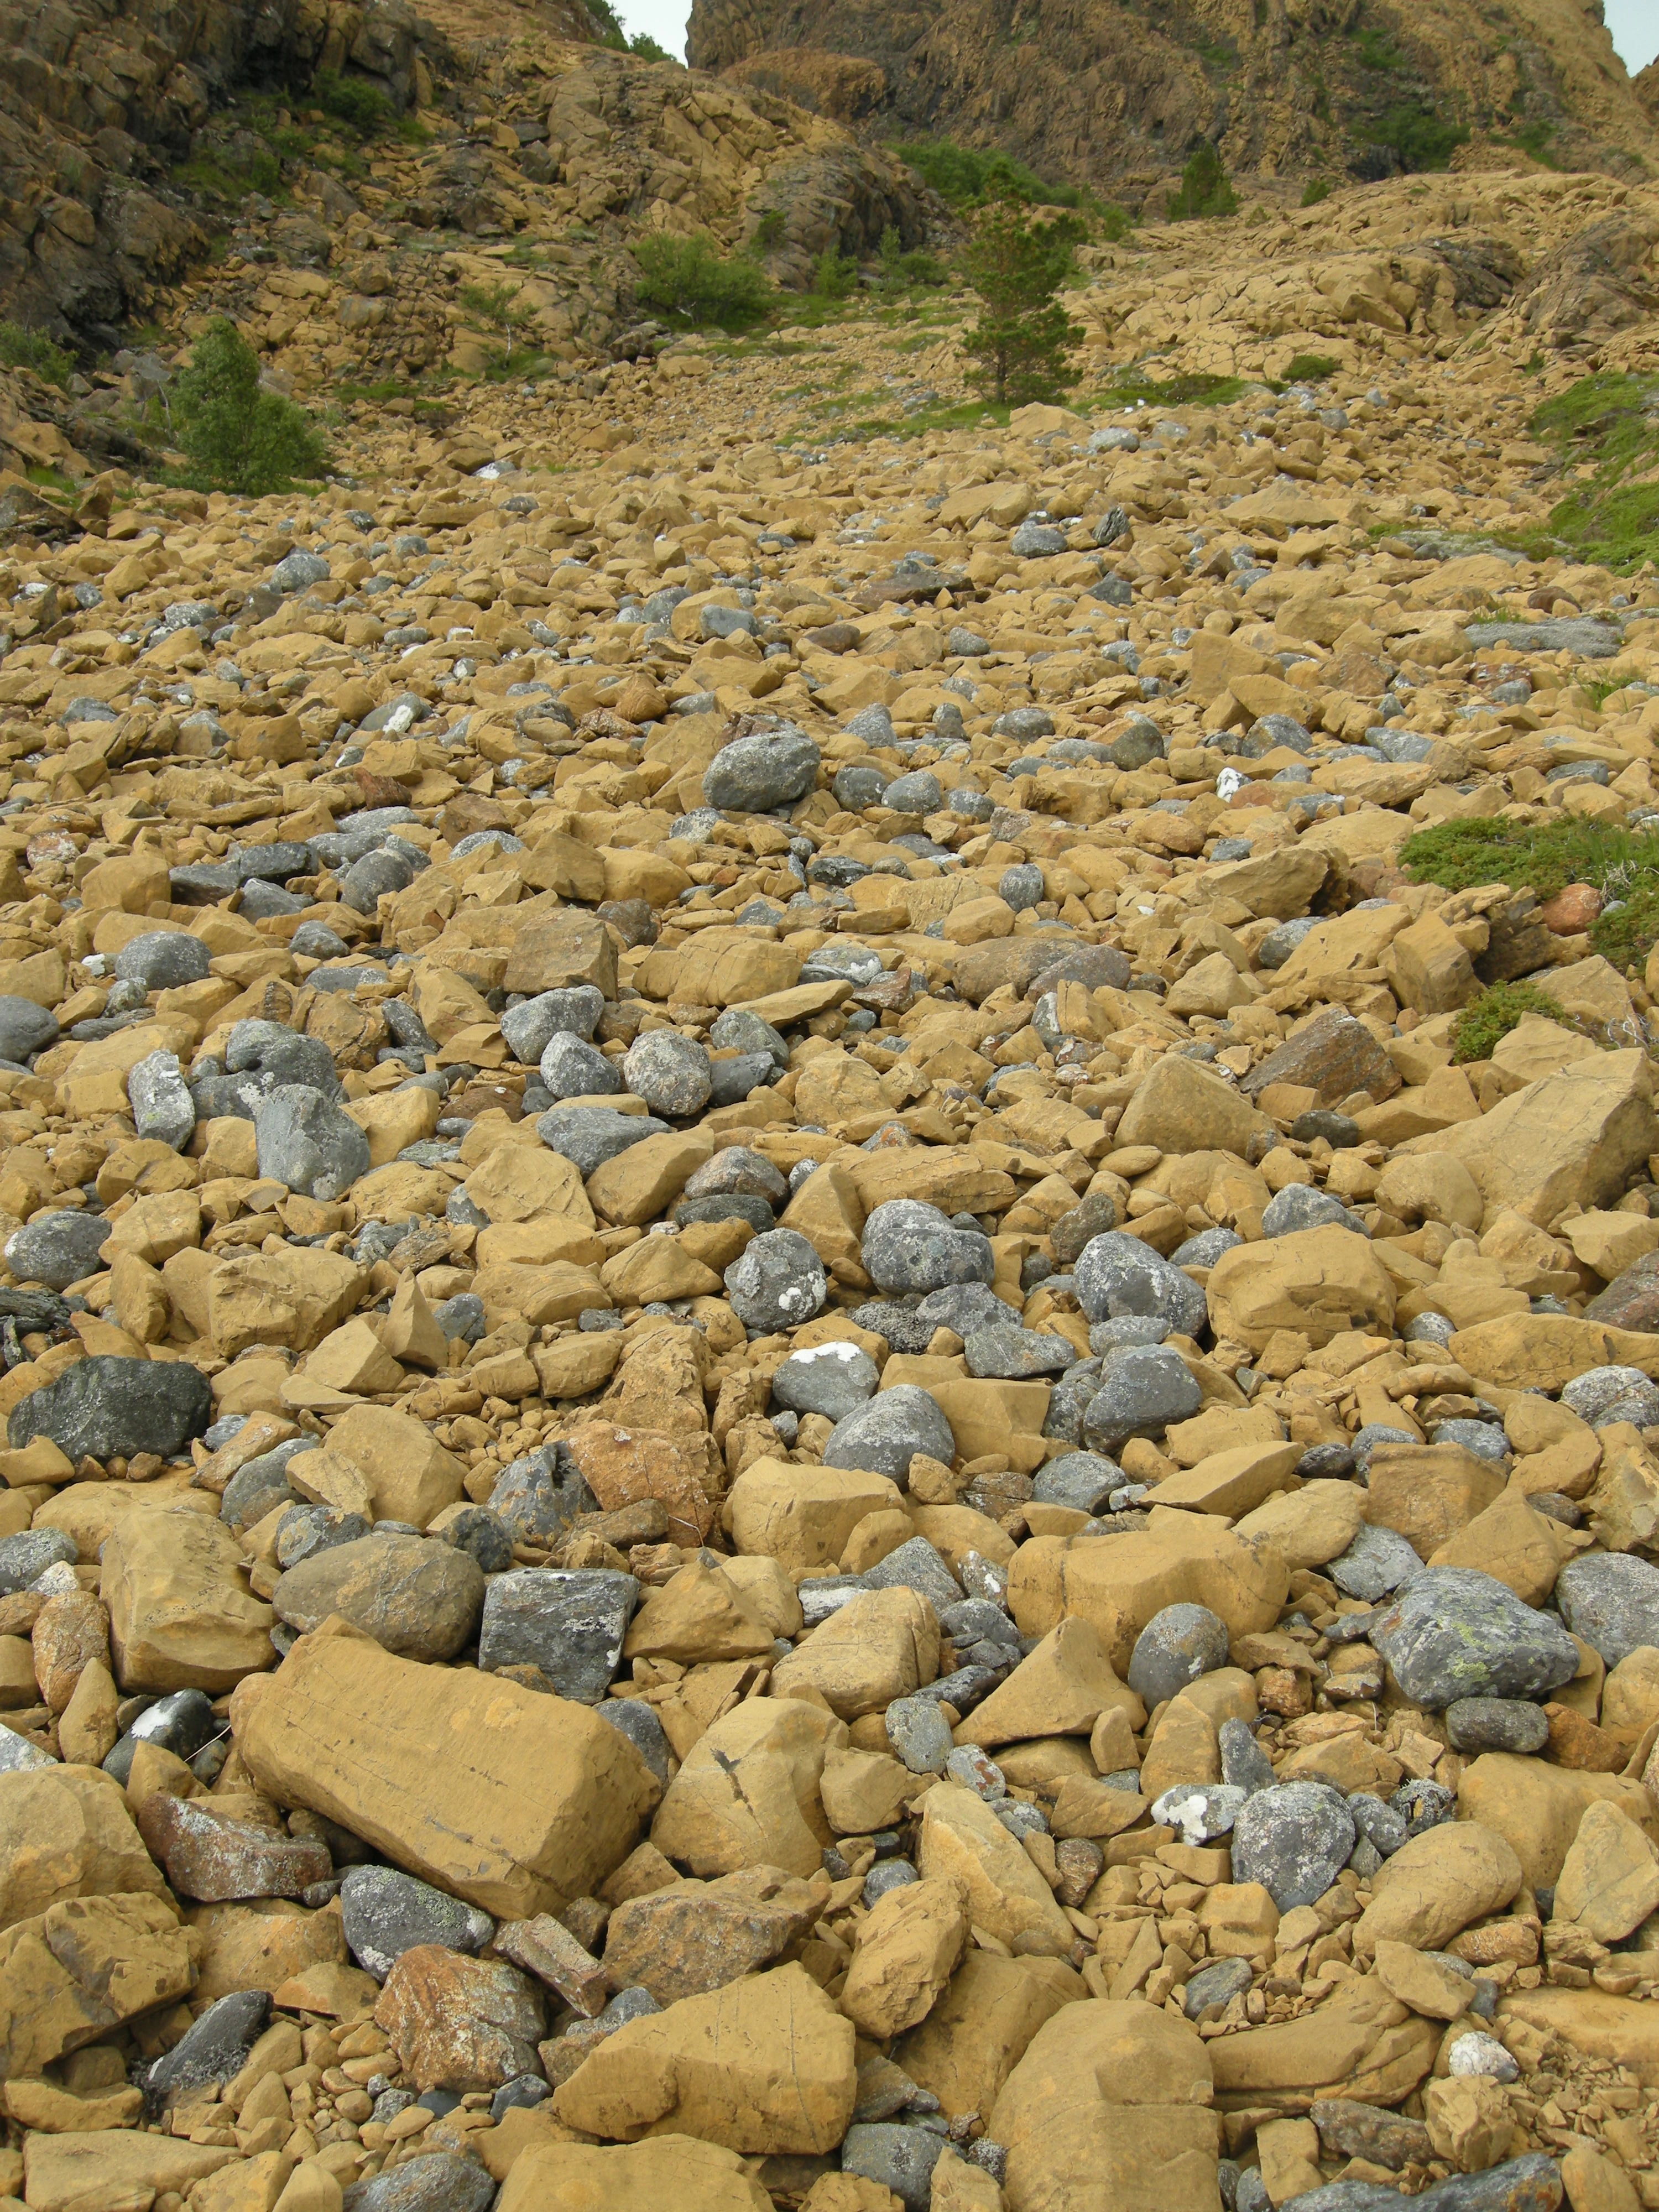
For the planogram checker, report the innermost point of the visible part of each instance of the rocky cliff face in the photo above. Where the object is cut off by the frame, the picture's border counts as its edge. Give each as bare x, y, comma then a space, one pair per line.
98, 100
132, 143
1115, 92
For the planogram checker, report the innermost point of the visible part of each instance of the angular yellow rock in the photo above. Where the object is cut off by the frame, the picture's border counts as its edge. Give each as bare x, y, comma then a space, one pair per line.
1435, 1884
802, 1516
1231, 1482
907, 1950
747, 1792
1609, 1881
1537, 1807
1062, 1688
1109, 2112
180, 1615
764, 2065
961, 1837
675, 2169
83, 1967
1319, 1281
877, 1647
1117, 1587
515, 1800
1570, 1138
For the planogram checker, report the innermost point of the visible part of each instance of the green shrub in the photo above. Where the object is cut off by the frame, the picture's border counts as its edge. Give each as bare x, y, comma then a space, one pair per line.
769, 231
1422, 139
609, 30
689, 281
969, 175
236, 437
362, 107
25, 348
835, 275
900, 268
1315, 193
1533, 139
490, 303
1206, 188
646, 48
1541, 857
1486, 1021
1023, 339
1377, 50
1311, 368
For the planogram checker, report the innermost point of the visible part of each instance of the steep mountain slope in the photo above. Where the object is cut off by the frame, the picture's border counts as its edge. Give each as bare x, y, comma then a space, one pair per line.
1115, 92
131, 149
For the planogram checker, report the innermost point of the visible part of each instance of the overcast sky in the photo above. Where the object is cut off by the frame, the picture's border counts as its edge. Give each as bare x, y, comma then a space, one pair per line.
1634, 25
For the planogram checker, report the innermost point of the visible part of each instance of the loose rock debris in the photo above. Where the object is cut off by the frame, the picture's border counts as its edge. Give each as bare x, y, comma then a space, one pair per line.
782, 1426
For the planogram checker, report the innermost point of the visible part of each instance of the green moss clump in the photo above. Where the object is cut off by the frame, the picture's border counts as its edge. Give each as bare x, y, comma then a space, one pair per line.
1611, 423
1541, 857
1311, 369
1486, 1021
1627, 935
967, 176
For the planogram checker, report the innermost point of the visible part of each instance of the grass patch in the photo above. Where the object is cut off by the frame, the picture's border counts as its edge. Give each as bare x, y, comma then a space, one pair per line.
20, 347
1316, 192
1610, 424
1133, 385
1376, 50
1533, 139
969, 415
835, 275
690, 281
1629, 933
1311, 369
902, 272
1486, 1021
223, 177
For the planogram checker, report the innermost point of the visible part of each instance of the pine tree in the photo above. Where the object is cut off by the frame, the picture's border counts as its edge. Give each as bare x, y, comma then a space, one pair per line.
1023, 335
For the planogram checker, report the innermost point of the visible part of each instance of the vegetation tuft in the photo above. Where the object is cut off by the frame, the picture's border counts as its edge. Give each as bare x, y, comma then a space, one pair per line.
235, 437
1486, 1021
968, 176
1609, 422
1207, 190
1420, 138
25, 348
362, 108
689, 281
1316, 192
917, 268
1541, 857
1545, 857
1311, 368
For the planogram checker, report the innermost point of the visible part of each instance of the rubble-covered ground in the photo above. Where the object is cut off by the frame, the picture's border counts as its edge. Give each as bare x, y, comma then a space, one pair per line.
831, 1332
